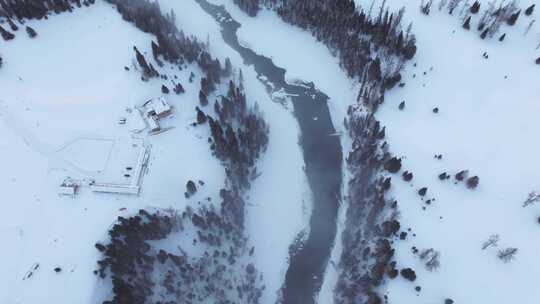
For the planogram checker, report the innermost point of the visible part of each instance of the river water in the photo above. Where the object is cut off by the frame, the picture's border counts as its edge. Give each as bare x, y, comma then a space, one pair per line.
323, 158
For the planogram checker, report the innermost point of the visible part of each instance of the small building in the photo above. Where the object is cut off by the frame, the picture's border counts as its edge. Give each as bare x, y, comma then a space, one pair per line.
152, 111
68, 187
158, 107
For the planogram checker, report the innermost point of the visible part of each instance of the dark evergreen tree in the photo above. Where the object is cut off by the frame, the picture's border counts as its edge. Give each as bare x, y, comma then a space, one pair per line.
467, 24
12, 25
513, 18
484, 33
6, 35
31, 32
529, 10
164, 89
203, 99
475, 8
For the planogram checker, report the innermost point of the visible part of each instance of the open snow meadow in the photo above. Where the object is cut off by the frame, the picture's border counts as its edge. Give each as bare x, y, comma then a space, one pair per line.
269, 151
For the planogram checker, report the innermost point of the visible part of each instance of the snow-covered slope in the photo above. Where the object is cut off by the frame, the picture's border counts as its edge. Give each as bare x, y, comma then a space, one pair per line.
486, 124
70, 84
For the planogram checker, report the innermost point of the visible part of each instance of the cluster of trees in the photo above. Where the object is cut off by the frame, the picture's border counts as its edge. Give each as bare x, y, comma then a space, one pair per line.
222, 274
129, 259
37, 9
218, 276
349, 31
367, 252
172, 44
239, 135
490, 20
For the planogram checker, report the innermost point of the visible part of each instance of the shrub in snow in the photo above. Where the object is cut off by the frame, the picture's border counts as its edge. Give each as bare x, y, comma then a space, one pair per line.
402, 105
502, 37
533, 198
448, 301
472, 182
164, 89
435, 110
393, 165
507, 254
538, 60
430, 257
178, 89
408, 274
191, 188
444, 176
422, 191
467, 24
491, 241
31, 32
461, 175
407, 176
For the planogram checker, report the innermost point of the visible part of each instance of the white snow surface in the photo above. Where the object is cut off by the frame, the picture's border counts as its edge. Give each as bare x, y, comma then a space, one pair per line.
70, 82
487, 124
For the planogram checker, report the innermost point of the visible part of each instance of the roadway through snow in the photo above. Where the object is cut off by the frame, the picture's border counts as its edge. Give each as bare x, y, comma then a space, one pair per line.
323, 158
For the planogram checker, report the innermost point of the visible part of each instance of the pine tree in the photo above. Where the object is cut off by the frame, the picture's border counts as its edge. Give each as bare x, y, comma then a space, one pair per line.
31, 32
513, 18
475, 8
529, 10
467, 24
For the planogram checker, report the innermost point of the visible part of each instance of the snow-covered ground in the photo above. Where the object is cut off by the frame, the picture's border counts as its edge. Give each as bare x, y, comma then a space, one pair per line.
70, 82
487, 124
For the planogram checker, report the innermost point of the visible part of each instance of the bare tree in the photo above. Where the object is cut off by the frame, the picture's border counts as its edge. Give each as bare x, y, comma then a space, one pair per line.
442, 4
529, 27
507, 254
431, 259
491, 241
533, 198
452, 5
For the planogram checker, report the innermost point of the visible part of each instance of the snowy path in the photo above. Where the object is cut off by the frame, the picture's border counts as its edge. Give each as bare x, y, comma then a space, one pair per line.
35, 144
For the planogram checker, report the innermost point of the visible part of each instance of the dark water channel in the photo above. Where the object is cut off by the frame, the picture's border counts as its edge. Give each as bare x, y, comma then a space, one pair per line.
323, 158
